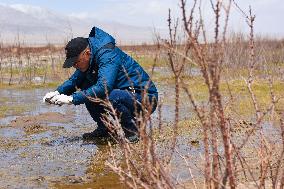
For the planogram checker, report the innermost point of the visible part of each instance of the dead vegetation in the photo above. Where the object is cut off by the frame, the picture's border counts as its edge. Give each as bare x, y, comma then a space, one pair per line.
235, 152
229, 160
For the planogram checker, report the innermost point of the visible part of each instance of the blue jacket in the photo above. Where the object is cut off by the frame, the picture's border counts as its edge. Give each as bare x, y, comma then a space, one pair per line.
110, 68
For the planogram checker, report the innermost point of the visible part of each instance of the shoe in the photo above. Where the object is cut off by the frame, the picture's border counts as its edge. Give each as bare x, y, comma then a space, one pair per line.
133, 139
131, 136
98, 133
130, 131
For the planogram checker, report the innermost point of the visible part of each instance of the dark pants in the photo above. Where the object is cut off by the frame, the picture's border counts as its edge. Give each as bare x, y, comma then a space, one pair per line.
123, 102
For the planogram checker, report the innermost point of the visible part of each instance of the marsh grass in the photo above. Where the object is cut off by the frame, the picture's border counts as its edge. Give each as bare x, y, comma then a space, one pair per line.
147, 62
6, 110
221, 101
30, 86
189, 131
231, 87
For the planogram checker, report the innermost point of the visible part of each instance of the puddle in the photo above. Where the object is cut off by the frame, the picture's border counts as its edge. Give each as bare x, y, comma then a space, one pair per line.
168, 72
11, 133
43, 147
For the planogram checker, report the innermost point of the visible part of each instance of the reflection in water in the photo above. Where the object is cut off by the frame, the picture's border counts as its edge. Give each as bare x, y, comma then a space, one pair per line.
40, 151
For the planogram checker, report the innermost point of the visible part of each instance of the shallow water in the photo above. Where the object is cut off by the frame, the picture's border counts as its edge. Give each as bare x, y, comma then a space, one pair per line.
42, 147
53, 150
41, 151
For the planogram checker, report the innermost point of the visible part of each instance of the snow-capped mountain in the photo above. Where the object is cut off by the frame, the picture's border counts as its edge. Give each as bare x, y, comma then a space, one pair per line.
36, 25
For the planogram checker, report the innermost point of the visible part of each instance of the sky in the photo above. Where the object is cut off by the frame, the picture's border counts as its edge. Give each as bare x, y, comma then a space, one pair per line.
154, 12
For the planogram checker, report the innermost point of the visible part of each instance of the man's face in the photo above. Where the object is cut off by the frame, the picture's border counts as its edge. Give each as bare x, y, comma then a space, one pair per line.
83, 61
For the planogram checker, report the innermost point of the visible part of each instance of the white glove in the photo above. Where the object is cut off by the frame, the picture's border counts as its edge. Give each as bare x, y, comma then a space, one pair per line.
49, 96
61, 99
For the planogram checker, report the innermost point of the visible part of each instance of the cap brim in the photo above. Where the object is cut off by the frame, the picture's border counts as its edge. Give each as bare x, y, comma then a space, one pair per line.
69, 62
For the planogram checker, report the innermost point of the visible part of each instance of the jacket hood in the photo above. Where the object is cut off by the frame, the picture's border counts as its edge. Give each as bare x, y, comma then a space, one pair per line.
98, 38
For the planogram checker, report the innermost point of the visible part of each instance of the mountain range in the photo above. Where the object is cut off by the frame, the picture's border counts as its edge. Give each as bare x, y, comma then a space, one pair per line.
36, 25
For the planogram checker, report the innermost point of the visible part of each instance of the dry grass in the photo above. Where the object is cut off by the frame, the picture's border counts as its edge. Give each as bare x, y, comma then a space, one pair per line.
235, 96
231, 157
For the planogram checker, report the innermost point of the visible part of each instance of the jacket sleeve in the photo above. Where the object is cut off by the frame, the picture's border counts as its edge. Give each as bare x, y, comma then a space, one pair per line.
69, 86
108, 65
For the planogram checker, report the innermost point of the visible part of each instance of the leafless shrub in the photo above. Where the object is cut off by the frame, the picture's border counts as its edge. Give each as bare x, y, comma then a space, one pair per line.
22, 64
229, 159
139, 166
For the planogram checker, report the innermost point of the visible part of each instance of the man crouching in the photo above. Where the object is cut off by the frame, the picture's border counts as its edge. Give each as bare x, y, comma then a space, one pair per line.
104, 71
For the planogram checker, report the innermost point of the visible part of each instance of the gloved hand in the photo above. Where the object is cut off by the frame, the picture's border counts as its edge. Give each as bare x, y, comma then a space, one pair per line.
61, 99
49, 96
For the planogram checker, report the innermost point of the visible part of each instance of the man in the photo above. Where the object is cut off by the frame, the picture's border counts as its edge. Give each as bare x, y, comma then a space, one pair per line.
103, 70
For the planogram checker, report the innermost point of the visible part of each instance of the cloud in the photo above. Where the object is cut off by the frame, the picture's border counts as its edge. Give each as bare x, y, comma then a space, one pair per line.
26, 8
139, 13
35, 11
155, 12
81, 15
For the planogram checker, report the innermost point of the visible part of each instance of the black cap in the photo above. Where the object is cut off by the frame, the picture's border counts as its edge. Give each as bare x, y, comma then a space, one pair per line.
73, 49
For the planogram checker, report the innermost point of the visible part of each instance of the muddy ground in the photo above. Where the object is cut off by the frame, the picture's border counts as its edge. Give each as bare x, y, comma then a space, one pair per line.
41, 145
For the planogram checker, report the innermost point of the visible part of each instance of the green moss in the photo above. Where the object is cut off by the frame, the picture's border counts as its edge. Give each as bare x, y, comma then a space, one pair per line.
13, 110
38, 86
189, 128
3, 99
162, 78
148, 62
242, 103
11, 144
3, 111
28, 86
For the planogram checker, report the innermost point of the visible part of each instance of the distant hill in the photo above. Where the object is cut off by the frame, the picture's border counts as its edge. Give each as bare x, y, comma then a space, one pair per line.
36, 25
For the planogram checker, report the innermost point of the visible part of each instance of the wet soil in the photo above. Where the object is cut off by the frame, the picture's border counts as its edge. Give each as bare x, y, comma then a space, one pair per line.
42, 147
